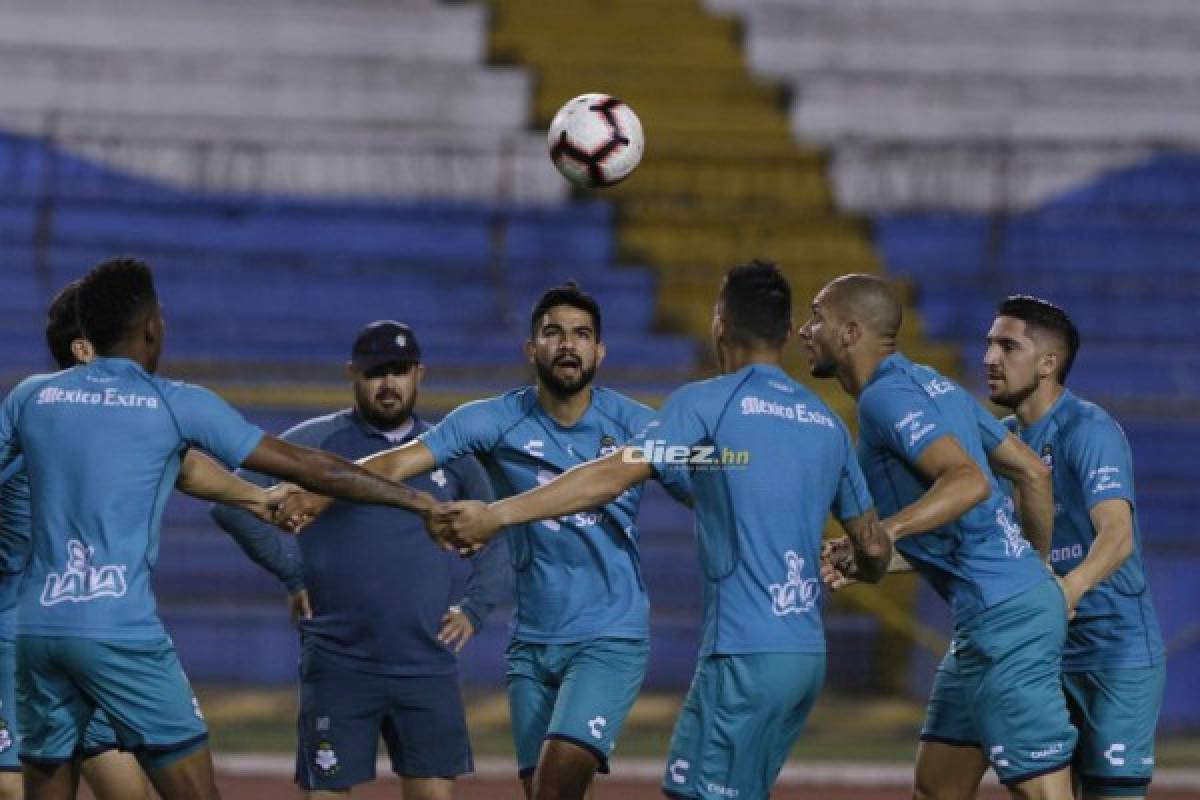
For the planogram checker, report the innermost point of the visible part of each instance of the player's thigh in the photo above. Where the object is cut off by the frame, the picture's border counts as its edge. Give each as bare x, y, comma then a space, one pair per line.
741, 717
185, 775
114, 775
338, 726
425, 728
948, 771
532, 693
600, 682
1116, 712
950, 761
52, 711
427, 788
1012, 654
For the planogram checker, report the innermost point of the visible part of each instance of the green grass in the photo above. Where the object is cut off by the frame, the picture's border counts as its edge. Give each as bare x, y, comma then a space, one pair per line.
841, 727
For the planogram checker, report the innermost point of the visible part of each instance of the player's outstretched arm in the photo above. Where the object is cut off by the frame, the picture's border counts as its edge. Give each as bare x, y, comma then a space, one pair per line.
396, 464
203, 478
957, 484
1113, 521
327, 474
581, 488
1034, 493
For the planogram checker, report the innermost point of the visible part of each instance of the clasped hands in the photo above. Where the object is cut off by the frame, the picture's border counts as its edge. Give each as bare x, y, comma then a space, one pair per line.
463, 526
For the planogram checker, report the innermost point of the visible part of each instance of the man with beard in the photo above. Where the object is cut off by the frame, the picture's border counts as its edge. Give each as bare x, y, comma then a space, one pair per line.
379, 641
785, 463
1113, 664
579, 647
997, 694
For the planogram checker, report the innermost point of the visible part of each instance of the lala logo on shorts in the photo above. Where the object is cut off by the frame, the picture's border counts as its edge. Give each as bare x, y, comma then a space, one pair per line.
80, 581
799, 594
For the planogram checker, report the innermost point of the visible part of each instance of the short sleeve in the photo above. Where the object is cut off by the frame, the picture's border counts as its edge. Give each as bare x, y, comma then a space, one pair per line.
901, 419
676, 428
208, 422
10, 413
677, 482
991, 430
1100, 457
853, 499
468, 429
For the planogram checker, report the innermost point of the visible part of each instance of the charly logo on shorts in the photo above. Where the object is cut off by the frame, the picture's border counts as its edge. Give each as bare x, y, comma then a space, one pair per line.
80, 581
799, 594
6, 737
326, 759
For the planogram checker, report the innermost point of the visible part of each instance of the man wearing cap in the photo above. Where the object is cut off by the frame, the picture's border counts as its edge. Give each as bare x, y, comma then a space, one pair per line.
388, 609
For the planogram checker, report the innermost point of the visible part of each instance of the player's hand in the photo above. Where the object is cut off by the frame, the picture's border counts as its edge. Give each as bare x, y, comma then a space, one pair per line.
1072, 590
298, 509
838, 566
298, 606
465, 526
266, 506
456, 630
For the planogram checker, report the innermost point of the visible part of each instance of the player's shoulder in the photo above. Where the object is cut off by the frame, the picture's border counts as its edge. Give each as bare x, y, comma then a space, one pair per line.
1079, 419
31, 384
316, 429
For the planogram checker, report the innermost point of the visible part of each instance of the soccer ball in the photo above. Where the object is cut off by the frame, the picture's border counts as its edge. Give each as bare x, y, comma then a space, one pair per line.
595, 140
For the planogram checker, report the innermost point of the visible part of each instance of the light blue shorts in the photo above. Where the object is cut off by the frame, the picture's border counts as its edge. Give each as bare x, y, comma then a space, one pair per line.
1000, 687
739, 721
140, 685
579, 693
1116, 711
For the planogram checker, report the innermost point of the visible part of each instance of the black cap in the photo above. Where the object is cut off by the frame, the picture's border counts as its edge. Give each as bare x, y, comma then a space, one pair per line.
384, 342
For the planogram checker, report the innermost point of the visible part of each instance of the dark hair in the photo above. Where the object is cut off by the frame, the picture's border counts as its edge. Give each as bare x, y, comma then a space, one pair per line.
568, 294
111, 299
756, 303
62, 325
1045, 316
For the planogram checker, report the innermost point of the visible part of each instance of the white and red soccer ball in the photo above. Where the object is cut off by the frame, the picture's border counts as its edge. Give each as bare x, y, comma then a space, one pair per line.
595, 140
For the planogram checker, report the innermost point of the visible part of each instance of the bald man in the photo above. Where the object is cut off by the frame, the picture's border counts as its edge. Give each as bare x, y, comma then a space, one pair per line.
930, 454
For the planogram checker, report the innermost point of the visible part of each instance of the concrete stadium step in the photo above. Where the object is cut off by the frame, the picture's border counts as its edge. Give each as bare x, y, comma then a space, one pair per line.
349, 71
441, 33
478, 98
1180, 9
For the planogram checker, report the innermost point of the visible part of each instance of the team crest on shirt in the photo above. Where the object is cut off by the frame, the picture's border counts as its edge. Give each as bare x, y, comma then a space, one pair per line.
799, 594
1048, 455
6, 737
608, 446
326, 760
81, 582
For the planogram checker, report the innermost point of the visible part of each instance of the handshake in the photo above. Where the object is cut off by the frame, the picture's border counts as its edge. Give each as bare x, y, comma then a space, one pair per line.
464, 526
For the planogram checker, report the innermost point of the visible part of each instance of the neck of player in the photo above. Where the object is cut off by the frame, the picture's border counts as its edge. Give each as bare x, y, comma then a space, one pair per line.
564, 409
855, 372
1039, 401
734, 357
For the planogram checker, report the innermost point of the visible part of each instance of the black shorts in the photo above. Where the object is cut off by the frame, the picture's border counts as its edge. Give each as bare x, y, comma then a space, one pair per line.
343, 712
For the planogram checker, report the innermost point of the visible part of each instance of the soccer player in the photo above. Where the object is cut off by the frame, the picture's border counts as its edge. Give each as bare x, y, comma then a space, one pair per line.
102, 444
1113, 664
111, 775
579, 644
768, 461
376, 656
996, 695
